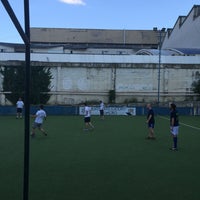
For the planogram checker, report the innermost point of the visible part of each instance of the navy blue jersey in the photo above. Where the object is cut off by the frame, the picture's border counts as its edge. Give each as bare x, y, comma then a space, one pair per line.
174, 114
152, 120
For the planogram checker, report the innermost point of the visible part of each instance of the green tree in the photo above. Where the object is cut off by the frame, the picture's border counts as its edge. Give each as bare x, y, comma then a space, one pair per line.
112, 96
14, 83
196, 87
40, 85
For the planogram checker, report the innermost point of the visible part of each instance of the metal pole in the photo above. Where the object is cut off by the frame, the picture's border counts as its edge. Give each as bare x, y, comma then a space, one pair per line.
159, 65
27, 105
14, 20
26, 38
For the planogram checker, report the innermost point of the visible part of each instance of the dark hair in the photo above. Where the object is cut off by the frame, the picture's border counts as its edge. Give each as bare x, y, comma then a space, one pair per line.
173, 106
41, 106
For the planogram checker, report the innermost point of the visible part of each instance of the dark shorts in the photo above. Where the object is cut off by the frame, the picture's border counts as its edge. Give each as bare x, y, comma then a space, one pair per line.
151, 125
87, 119
19, 110
101, 112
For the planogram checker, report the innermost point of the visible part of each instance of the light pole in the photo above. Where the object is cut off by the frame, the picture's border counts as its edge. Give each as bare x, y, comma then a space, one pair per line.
160, 35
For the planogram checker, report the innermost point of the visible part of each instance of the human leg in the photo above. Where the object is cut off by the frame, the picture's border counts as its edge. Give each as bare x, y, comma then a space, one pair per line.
43, 131
174, 132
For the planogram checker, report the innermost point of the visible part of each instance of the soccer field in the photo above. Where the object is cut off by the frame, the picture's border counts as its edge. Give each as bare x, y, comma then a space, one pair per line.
112, 162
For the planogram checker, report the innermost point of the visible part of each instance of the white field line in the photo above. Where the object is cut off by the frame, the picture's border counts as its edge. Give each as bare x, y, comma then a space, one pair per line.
194, 127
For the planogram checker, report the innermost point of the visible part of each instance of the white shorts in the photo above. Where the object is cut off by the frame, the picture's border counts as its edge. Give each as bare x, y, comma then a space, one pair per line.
174, 131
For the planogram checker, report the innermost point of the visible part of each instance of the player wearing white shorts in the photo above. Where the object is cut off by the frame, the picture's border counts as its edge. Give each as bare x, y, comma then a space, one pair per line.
174, 125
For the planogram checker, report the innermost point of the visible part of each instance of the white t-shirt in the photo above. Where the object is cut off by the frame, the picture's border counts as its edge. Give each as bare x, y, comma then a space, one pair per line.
40, 115
20, 104
101, 106
87, 111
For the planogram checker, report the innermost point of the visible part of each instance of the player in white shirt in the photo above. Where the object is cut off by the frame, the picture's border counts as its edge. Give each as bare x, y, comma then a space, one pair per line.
20, 105
39, 118
87, 118
101, 109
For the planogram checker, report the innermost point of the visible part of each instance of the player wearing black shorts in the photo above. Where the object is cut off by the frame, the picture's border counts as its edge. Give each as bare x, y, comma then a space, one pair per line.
150, 122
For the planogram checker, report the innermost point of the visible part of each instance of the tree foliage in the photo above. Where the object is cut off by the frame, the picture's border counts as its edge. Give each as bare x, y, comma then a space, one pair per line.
196, 86
14, 83
112, 96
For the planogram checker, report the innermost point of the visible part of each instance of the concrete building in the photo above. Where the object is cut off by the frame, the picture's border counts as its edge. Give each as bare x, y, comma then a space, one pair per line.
86, 63
185, 33
95, 41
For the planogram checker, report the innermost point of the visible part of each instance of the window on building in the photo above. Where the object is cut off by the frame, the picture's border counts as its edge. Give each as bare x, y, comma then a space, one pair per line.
196, 12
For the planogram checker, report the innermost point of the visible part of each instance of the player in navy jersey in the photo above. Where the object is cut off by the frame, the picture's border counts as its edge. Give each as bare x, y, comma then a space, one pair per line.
174, 125
150, 122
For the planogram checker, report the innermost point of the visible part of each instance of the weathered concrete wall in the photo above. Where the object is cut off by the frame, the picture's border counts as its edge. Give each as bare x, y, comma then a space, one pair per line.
78, 78
135, 82
75, 84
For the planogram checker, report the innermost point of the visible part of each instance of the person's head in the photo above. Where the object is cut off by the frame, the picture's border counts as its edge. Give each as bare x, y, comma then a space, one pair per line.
148, 106
85, 104
173, 106
41, 107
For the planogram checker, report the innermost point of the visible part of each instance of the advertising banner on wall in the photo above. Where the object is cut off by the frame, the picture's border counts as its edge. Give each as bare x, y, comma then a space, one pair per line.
114, 110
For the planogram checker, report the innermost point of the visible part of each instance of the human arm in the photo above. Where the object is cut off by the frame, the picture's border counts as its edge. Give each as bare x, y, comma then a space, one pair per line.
148, 119
172, 123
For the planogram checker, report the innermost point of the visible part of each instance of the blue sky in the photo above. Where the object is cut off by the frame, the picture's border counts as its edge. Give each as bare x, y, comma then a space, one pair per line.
95, 14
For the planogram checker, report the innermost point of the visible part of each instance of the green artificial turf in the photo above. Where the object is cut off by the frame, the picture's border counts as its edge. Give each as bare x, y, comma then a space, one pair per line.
112, 162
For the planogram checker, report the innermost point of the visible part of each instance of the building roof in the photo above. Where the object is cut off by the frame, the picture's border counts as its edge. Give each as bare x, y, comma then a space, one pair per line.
165, 52
170, 52
187, 51
94, 36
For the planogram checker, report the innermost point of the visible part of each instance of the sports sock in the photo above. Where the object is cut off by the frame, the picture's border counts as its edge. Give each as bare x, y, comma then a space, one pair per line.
175, 142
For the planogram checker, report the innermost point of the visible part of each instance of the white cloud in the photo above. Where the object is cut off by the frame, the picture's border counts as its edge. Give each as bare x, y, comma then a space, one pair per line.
74, 2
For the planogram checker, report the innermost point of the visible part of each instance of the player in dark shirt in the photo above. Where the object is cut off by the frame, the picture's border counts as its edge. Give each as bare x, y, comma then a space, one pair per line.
150, 122
174, 125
